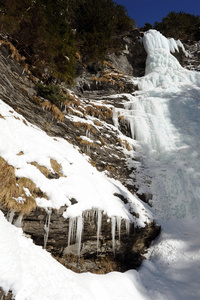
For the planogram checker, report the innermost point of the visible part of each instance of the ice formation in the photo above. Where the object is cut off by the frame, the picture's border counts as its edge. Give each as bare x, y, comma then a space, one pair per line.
47, 227
168, 95
162, 68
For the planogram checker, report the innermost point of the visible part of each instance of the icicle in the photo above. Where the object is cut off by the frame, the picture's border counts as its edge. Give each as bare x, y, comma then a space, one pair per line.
113, 233
79, 233
46, 227
88, 146
11, 216
127, 227
115, 117
99, 220
119, 226
72, 228
18, 222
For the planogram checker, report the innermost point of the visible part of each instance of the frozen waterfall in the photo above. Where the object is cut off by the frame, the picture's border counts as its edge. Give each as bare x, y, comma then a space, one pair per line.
164, 116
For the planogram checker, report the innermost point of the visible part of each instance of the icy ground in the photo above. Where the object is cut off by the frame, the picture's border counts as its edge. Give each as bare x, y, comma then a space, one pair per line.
165, 120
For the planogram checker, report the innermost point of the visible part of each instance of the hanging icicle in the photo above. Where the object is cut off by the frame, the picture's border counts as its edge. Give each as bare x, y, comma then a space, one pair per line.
99, 221
127, 227
46, 227
79, 233
113, 233
115, 117
72, 230
11, 216
119, 221
18, 222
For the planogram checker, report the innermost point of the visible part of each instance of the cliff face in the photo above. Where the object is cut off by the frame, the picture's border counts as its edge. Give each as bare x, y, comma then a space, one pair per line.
91, 121
88, 122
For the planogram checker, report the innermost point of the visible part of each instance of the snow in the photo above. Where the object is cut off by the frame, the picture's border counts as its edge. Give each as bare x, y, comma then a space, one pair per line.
33, 274
38, 147
164, 120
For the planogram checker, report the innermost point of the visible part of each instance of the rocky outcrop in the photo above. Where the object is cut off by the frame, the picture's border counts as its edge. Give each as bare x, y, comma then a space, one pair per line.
131, 59
128, 61
191, 61
122, 253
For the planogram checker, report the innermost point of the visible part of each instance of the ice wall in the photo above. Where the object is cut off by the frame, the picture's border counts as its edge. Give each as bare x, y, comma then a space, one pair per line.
162, 68
164, 118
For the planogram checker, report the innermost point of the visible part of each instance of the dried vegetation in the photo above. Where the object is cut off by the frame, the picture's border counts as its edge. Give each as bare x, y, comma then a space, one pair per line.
13, 190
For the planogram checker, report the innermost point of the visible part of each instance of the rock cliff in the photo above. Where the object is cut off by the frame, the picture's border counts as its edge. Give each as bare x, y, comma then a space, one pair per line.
88, 122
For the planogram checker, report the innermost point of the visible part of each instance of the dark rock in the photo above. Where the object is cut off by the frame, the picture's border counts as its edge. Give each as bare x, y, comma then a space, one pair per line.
128, 252
4, 296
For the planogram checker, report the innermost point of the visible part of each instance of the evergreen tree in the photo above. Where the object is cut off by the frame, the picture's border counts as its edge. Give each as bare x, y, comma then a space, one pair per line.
180, 26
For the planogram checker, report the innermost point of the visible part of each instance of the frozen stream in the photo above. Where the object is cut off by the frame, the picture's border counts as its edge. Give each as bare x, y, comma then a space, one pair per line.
164, 117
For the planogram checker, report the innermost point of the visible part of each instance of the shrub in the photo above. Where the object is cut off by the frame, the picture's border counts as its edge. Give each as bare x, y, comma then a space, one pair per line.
96, 22
50, 92
180, 26
40, 30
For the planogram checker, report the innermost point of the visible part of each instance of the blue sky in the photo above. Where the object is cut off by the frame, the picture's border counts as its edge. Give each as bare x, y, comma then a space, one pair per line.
149, 11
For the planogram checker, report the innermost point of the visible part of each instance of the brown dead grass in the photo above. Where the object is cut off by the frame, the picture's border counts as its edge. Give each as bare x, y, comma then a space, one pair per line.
83, 125
125, 144
12, 188
56, 167
100, 112
46, 172
110, 168
42, 169
20, 153
58, 115
100, 265
15, 54
111, 75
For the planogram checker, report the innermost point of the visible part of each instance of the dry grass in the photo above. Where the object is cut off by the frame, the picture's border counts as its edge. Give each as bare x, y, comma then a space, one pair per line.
15, 54
58, 115
103, 142
105, 265
46, 172
83, 125
110, 168
111, 75
2, 117
20, 153
101, 112
108, 65
100, 265
125, 144
25, 122
13, 193
85, 142
92, 162
56, 167
42, 169
12, 188
98, 123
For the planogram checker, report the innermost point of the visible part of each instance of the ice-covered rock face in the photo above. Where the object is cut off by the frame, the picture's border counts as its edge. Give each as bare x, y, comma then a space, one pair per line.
162, 68
164, 119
